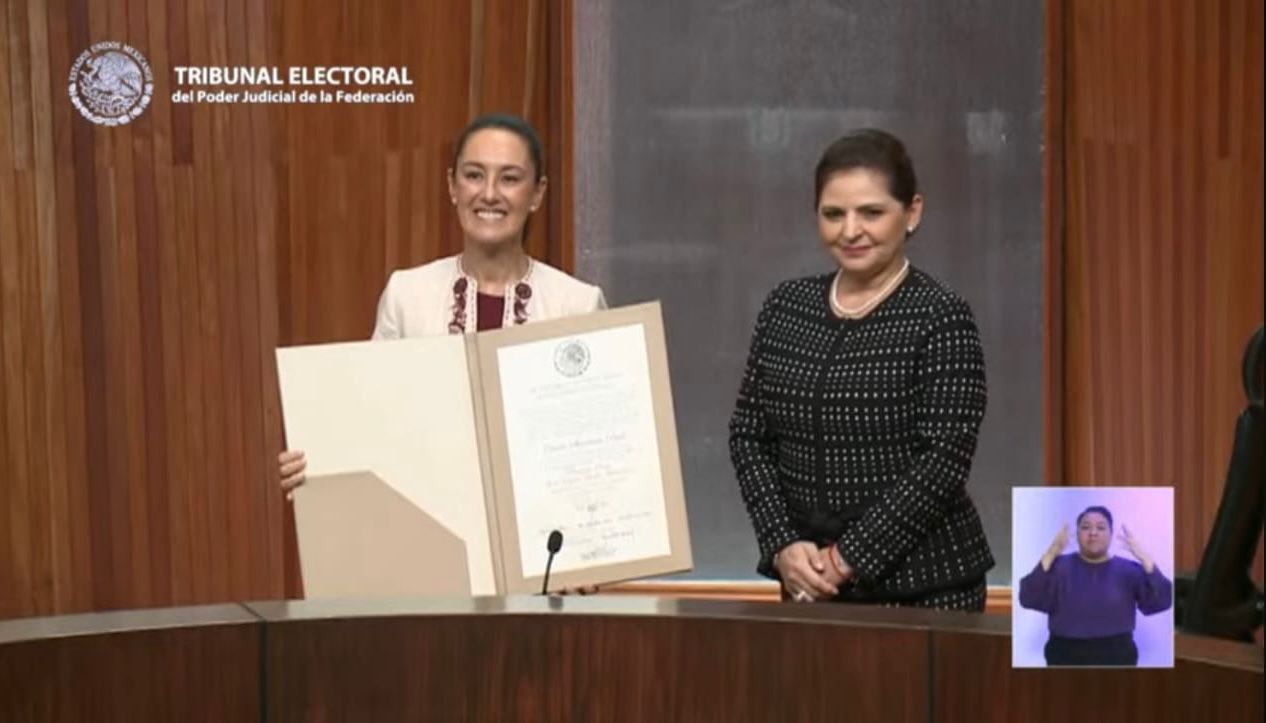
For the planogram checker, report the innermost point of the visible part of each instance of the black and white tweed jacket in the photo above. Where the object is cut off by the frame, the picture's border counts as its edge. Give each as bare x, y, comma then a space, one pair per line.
861, 433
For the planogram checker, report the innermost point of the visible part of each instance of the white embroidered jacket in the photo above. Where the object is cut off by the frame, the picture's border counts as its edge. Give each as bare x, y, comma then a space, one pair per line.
419, 301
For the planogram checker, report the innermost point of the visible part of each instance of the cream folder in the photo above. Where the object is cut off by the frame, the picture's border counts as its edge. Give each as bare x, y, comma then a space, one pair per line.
478, 445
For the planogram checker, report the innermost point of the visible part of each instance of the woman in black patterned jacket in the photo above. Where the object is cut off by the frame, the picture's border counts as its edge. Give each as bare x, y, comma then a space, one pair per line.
856, 421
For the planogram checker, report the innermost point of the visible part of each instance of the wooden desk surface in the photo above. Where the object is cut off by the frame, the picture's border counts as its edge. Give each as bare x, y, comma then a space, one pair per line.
581, 658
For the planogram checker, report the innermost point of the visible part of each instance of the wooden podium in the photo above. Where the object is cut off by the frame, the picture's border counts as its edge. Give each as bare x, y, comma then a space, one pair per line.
598, 658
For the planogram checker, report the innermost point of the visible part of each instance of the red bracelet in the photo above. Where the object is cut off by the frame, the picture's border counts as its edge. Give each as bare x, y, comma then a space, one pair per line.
838, 560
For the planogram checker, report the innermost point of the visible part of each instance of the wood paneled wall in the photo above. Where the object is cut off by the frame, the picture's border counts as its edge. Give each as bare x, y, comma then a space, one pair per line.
147, 272
1162, 245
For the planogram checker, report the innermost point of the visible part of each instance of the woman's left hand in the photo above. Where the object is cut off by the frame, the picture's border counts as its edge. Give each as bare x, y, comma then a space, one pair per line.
1132, 544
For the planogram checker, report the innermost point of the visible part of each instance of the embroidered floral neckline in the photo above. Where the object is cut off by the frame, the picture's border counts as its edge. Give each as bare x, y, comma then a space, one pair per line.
466, 310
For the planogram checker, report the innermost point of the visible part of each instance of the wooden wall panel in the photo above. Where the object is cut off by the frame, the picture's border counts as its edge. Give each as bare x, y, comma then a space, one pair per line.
1163, 244
561, 233
1053, 225
147, 272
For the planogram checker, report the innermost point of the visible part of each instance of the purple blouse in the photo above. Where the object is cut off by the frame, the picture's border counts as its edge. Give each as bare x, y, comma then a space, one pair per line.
1094, 600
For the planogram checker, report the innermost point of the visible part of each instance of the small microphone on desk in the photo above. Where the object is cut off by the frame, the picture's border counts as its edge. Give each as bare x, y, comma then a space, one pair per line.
554, 544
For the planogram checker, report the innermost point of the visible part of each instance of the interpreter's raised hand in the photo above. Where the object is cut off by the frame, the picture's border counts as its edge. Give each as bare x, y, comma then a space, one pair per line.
1132, 544
802, 567
1057, 547
291, 467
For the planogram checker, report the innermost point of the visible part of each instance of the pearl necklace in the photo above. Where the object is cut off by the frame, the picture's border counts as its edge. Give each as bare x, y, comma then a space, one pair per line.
859, 311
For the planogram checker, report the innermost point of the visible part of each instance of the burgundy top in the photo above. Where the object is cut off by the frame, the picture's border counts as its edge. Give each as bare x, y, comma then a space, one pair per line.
491, 311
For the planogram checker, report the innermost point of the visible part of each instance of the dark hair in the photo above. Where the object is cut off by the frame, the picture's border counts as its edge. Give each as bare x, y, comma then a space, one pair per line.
1099, 509
513, 124
873, 150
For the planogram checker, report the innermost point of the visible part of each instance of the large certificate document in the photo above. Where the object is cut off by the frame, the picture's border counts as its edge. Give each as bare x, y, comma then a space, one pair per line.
580, 433
504, 437
583, 440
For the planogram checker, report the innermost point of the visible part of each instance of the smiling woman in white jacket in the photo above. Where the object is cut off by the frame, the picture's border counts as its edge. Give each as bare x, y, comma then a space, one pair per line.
496, 183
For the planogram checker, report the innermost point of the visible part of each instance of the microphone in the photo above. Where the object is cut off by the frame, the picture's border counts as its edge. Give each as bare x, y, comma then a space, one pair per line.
553, 545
